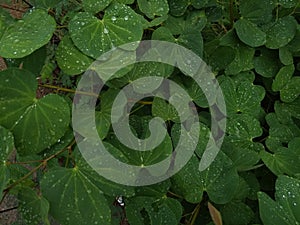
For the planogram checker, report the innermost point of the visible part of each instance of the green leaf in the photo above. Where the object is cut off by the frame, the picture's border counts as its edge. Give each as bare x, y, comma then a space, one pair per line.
93, 36
143, 210
221, 57
236, 213
243, 60
280, 133
284, 160
153, 8
267, 63
189, 38
35, 123
27, 35
281, 32
33, 62
70, 59
177, 8
288, 4
6, 148
80, 200
285, 56
220, 180
257, 11
249, 33
242, 96
164, 110
143, 69
94, 6
34, 208
282, 78
286, 207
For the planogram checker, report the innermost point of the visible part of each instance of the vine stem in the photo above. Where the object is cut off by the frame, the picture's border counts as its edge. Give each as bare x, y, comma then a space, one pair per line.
11, 8
82, 92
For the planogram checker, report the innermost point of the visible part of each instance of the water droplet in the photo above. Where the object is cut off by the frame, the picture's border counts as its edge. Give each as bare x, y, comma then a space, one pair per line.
126, 18
105, 31
113, 18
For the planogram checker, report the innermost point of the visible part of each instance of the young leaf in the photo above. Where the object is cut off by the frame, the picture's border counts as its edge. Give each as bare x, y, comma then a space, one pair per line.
27, 35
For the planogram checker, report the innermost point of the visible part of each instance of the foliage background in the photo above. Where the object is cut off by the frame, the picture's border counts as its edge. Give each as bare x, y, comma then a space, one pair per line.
253, 48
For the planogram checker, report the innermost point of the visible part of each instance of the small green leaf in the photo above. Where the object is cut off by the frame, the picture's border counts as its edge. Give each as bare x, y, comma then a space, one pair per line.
284, 160
94, 6
243, 60
93, 36
249, 33
283, 77
267, 63
27, 35
285, 56
142, 210
235, 213
281, 32
153, 8
33, 207
80, 201
286, 207
70, 59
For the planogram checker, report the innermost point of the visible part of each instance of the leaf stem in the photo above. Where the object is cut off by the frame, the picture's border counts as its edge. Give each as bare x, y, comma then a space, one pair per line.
195, 214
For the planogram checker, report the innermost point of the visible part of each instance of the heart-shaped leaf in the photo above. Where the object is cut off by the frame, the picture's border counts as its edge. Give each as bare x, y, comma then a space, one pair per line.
35, 123
27, 35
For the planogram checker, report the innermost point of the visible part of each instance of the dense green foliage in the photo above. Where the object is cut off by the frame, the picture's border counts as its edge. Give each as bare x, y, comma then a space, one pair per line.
252, 47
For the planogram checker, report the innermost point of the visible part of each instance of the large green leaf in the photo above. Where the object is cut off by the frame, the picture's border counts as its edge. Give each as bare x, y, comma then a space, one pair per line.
219, 180
35, 123
74, 197
153, 8
284, 160
249, 33
34, 208
93, 36
27, 35
281, 32
286, 207
70, 59
6, 148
